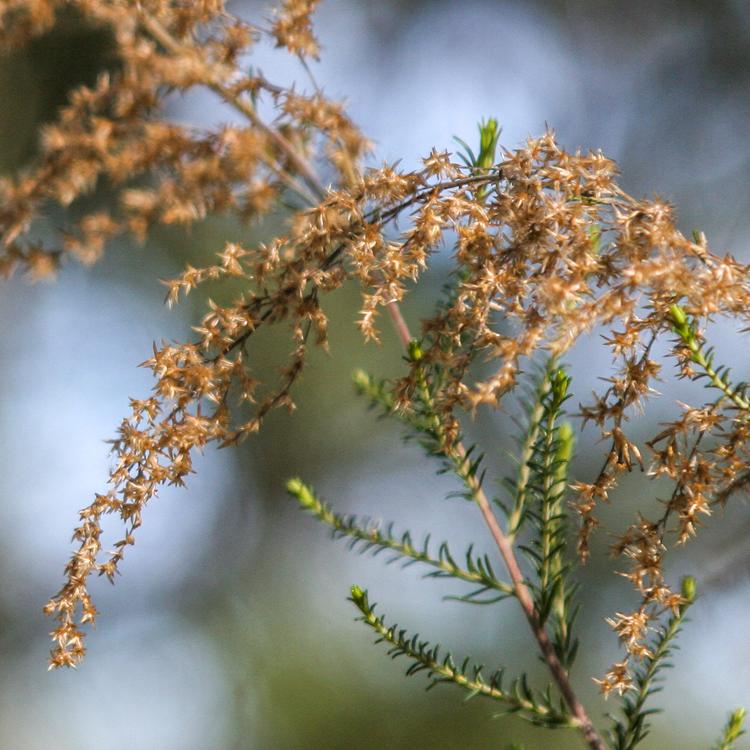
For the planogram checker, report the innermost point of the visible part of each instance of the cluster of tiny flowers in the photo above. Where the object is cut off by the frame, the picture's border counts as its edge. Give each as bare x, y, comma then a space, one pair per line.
547, 249
163, 172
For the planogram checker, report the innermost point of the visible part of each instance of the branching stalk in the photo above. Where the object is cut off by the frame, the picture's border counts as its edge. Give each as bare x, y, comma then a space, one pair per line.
246, 108
630, 732
457, 454
718, 378
440, 670
478, 570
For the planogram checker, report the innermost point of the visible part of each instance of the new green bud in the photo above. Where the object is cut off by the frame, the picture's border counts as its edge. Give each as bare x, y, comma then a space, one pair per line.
415, 351
294, 485
678, 316
735, 724
488, 136
299, 490
361, 379
359, 597
559, 382
687, 589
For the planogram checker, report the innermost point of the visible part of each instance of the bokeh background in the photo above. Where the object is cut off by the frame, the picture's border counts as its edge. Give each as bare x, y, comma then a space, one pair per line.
230, 628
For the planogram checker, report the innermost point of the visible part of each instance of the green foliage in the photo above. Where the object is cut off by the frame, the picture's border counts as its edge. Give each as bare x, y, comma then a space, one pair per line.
541, 486
536, 513
539, 490
733, 730
539, 708
489, 135
520, 488
484, 159
633, 728
424, 424
376, 391
365, 536
717, 376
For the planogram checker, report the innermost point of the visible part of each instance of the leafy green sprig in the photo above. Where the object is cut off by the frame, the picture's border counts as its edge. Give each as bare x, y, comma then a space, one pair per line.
718, 376
633, 728
538, 495
547, 484
489, 136
733, 730
424, 424
539, 708
366, 536
536, 510
519, 488
543, 481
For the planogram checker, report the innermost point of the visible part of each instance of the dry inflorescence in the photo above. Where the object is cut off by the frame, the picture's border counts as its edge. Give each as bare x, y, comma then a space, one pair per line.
547, 249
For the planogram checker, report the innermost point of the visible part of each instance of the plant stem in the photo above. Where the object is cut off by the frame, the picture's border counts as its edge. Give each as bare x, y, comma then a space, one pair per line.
300, 164
685, 330
644, 686
558, 672
371, 537
399, 324
505, 547
700, 359
444, 670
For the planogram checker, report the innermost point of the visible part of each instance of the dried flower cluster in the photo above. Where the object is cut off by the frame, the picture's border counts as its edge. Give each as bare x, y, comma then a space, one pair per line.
547, 249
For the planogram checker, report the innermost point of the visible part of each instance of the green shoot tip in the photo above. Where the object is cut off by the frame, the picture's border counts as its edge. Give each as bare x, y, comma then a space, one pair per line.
678, 316
560, 381
688, 589
301, 492
360, 378
736, 722
415, 351
294, 485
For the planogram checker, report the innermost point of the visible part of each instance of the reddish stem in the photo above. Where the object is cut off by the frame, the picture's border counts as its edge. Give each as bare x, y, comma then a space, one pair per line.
557, 670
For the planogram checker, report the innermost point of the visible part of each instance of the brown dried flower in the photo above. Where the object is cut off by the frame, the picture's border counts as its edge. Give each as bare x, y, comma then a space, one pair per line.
548, 248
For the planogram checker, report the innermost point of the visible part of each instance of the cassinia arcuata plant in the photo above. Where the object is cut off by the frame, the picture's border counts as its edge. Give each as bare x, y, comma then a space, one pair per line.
545, 248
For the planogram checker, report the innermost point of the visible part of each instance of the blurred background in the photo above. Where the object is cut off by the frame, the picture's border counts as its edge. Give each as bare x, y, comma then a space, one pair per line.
230, 628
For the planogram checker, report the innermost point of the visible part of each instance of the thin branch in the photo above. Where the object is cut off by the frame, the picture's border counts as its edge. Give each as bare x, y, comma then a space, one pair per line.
684, 328
439, 187
504, 546
366, 535
611, 457
558, 672
426, 657
629, 733
302, 166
